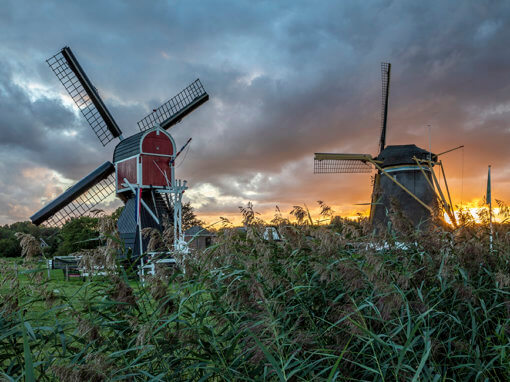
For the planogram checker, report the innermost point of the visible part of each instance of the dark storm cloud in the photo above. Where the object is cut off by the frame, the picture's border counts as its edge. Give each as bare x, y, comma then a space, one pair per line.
43, 130
286, 79
23, 121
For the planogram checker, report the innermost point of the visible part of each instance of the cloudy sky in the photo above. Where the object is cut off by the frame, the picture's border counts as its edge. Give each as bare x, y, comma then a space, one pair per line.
286, 79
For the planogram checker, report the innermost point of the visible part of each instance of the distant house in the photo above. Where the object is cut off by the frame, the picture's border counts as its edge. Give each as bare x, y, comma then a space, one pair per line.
271, 233
198, 237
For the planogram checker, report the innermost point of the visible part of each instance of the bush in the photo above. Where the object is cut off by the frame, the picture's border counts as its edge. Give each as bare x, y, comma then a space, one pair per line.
9, 247
76, 235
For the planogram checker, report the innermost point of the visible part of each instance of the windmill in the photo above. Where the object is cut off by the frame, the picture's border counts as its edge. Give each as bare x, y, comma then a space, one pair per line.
405, 173
142, 174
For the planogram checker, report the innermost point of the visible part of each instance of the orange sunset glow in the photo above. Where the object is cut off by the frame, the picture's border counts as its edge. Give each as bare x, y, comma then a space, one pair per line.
282, 85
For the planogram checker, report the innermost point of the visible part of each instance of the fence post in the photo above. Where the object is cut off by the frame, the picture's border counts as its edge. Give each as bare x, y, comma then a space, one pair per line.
67, 272
48, 267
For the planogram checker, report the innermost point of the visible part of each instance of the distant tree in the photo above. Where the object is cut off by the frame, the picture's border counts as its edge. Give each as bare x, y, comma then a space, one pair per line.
9, 246
189, 219
25, 227
78, 234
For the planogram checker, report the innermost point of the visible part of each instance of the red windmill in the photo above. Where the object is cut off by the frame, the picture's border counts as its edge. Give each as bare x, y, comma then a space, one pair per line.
142, 173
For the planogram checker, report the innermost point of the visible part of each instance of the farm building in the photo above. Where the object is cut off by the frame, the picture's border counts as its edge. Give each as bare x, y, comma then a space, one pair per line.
198, 237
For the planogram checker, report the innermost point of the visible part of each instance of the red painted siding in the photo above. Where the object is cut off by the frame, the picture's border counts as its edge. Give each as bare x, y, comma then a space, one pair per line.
157, 144
126, 169
151, 175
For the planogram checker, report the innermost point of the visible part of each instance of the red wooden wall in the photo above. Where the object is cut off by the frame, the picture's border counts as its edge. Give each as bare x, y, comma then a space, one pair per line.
126, 169
151, 175
157, 144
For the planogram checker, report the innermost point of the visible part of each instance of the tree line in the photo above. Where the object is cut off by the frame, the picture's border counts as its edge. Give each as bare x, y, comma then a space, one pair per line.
77, 234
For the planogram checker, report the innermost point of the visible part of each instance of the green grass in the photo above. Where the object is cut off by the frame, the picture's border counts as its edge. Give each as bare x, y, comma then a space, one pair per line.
75, 289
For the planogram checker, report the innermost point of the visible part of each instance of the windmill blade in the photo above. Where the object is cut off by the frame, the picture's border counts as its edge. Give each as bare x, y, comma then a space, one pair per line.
176, 108
326, 163
385, 74
78, 199
67, 69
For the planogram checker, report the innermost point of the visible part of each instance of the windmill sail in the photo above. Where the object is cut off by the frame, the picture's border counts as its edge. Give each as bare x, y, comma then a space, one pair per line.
385, 74
176, 108
327, 163
78, 199
67, 69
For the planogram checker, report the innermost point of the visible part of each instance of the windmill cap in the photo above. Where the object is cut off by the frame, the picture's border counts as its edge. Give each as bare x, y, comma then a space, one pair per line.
402, 154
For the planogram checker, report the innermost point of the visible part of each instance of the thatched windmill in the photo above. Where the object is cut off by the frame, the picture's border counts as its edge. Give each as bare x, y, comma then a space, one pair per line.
405, 173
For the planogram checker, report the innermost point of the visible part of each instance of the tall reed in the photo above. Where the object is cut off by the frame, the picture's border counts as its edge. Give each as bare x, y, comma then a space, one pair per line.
336, 302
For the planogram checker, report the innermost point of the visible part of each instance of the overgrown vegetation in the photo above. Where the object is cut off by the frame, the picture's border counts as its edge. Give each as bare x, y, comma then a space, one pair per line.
329, 303
9, 244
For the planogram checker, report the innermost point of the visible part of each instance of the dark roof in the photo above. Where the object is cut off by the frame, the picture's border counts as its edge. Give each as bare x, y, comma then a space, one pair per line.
402, 154
100, 173
198, 231
128, 147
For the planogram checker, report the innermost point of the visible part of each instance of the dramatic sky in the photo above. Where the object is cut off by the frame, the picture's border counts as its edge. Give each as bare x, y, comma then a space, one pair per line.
286, 79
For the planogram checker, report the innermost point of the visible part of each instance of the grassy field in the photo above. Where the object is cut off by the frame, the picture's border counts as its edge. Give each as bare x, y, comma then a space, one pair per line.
325, 303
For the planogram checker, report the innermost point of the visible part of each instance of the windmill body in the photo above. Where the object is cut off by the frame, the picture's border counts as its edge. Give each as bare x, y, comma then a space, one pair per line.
399, 161
142, 174
146, 162
405, 178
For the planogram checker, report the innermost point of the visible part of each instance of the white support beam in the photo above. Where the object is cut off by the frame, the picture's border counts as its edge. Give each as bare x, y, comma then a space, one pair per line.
141, 201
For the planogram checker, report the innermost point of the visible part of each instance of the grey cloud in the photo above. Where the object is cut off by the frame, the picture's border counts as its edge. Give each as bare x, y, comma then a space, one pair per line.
286, 79
35, 130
